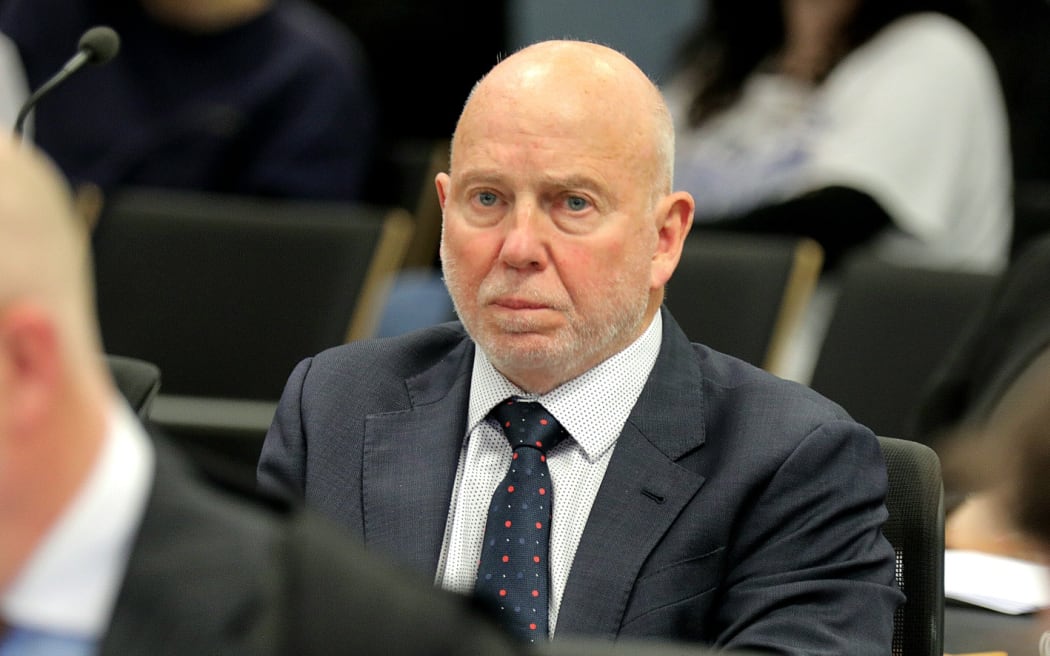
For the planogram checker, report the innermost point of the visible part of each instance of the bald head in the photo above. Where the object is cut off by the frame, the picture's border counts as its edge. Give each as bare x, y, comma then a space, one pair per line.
43, 244
576, 86
54, 391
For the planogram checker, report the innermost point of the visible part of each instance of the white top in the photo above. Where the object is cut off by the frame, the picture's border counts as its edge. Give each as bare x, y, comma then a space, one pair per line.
71, 582
914, 118
14, 90
577, 465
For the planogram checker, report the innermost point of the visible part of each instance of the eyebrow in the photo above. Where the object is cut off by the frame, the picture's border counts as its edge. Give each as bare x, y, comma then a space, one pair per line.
496, 177
573, 181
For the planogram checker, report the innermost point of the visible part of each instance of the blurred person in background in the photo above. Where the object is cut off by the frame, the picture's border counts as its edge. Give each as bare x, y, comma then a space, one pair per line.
865, 124
1003, 460
13, 91
258, 97
1006, 343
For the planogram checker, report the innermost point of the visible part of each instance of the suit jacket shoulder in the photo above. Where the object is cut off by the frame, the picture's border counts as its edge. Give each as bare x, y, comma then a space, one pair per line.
203, 573
377, 369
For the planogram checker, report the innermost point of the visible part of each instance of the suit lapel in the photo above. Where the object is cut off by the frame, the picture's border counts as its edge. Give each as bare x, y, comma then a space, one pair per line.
410, 460
642, 493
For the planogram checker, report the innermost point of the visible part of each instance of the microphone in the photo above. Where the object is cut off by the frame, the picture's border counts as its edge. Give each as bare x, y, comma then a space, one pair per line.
97, 46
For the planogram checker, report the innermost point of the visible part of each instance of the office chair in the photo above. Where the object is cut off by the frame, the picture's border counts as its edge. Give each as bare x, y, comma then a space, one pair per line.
226, 294
431, 157
137, 380
915, 528
404, 177
742, 294
890, 329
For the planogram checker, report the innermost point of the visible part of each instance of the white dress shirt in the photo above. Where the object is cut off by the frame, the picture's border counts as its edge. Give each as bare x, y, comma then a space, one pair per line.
69, 585
577, 465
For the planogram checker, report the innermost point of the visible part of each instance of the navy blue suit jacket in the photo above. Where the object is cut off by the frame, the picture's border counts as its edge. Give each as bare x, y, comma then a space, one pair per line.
738, 509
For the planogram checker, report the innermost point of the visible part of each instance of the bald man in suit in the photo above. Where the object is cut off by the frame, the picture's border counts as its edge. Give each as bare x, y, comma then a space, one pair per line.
696, 498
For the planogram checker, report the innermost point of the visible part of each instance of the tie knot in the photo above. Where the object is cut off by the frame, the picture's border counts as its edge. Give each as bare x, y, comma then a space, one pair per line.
527, 423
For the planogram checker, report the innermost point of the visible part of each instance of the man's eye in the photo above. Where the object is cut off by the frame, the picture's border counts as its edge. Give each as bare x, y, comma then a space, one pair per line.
487, 198
576, 204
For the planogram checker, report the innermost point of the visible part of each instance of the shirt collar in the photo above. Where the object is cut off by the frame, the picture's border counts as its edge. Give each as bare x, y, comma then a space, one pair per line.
620, 378
70, 583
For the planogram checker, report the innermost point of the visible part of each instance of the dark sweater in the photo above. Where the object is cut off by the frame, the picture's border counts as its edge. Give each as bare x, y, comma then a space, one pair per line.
278, 106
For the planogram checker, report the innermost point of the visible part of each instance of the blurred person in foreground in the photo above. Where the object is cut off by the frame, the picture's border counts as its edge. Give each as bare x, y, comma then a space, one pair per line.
112, 543
693, 497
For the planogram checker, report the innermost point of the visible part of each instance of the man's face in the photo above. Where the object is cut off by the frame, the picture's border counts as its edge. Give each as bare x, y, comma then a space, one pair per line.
549, 233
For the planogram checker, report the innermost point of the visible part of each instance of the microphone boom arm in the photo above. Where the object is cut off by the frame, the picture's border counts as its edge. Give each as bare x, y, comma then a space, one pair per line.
97, 46
72, 66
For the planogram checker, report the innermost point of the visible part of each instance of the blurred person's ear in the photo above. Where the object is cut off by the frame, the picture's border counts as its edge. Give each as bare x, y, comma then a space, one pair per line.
29, 366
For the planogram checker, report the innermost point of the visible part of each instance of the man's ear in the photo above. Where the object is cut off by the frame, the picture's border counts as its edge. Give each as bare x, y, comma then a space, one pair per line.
30, 363
441, 181
674, 220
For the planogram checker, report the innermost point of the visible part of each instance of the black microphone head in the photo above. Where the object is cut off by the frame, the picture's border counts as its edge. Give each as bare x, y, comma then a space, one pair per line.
100, 43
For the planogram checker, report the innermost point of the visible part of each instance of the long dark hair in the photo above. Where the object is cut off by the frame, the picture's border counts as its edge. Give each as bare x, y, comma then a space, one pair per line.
736, 36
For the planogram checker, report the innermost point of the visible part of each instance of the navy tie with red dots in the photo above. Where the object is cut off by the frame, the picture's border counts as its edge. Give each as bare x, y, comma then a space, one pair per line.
513, 572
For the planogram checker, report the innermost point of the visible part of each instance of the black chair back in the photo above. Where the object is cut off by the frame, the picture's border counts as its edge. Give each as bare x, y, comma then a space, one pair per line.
226, 294
137, 380
915, 528
890, 329
743, 294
